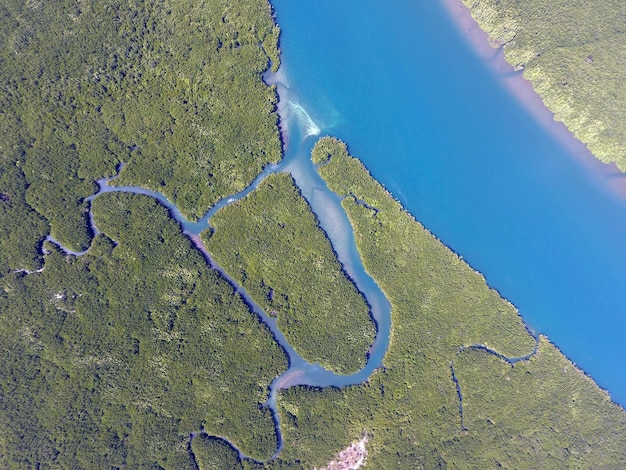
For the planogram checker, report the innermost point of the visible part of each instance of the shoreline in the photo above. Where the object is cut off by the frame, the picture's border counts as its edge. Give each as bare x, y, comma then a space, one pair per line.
606, 176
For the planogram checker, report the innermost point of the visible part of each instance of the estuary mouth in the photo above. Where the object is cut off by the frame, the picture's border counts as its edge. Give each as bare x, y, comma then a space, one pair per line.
302, 117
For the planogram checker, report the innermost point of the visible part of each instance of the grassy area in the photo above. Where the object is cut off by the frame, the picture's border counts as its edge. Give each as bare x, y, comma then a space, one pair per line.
271, 244
572, 52
411, 408
172, 89
114, 358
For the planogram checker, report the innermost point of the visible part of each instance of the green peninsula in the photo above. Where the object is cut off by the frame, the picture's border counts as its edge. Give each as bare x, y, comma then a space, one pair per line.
271, 244
536, 413
573, 54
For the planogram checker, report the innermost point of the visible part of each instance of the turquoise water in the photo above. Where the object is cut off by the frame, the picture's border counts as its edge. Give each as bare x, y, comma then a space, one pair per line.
436, 126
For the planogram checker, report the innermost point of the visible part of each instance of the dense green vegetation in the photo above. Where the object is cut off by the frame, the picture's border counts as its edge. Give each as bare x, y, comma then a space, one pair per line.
114, 358
548, 412
171, 88
573, 53
547, 416
214, 454
271, 244
21, 227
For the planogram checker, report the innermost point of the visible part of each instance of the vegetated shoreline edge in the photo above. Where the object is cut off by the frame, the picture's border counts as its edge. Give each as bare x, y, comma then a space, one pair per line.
537, 336
523, 91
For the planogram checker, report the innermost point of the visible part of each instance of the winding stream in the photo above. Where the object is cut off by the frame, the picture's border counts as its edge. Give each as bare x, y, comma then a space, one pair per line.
481, 347
457, 193
466, 147
299, 134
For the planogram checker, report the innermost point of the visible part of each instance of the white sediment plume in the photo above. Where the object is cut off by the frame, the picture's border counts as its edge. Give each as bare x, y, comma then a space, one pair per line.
308, 125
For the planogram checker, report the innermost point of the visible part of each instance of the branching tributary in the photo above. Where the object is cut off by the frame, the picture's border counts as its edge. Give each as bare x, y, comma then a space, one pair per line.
299, 133
481, 347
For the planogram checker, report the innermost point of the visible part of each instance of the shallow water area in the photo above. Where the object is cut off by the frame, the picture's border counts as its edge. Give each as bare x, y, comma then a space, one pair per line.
303, 132
440, 129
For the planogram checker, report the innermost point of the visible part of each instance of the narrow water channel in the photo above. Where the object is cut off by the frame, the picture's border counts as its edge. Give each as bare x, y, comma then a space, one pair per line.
446, 133
300, 133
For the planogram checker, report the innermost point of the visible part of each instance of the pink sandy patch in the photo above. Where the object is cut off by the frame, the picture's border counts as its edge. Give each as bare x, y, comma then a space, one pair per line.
524, 93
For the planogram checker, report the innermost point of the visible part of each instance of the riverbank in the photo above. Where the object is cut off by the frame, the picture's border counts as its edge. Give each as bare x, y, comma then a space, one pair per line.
512, 78
290, 268
515, 391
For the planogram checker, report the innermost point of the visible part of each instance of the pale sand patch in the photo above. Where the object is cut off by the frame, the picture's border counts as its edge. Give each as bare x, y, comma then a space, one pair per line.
351, 458
290, 378
609, 176
199, 243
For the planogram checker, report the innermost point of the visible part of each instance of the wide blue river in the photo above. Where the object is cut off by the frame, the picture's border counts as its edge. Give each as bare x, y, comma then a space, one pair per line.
433, 122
